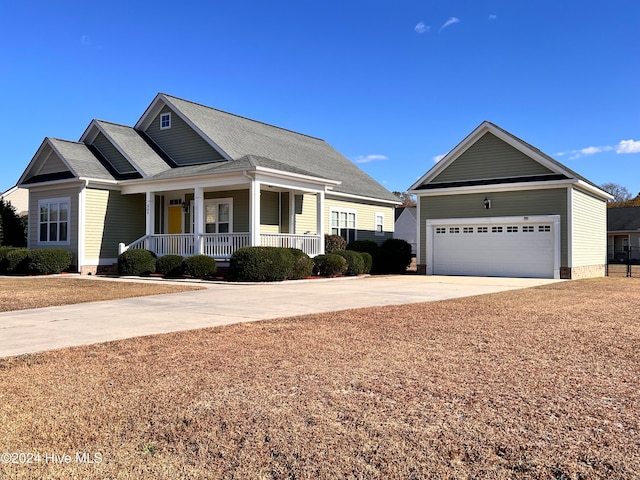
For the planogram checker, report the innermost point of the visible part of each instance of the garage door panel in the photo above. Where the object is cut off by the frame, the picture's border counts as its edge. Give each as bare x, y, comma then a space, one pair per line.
504, 250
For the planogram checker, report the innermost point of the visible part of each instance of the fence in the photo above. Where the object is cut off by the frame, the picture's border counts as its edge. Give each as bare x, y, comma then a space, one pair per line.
623, 261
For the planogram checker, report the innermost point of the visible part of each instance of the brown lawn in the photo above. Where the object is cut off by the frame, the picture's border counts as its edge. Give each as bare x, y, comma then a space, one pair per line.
537, 383
20, 293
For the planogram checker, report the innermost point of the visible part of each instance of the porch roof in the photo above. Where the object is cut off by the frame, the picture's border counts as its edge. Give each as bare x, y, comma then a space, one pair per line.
623, 219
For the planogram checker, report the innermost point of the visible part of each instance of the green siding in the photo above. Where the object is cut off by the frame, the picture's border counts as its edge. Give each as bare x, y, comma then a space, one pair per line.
588, 230
490, 157
181, 142
240, 208
269, 212
35, 195
503, 204
112, 155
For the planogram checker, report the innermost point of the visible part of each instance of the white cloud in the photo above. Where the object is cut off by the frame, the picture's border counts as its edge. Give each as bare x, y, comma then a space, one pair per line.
370, 158
422, 28
594, 150
437, 158
628, 146
492, 17
451, 21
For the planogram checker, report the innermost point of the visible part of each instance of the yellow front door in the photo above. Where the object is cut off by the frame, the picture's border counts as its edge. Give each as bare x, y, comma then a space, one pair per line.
175, 220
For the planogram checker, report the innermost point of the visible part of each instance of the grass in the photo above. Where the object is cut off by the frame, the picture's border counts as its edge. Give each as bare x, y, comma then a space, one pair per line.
536, 383
21, 293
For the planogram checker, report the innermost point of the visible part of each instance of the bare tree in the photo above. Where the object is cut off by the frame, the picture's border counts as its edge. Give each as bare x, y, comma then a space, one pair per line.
406, 198
620, 193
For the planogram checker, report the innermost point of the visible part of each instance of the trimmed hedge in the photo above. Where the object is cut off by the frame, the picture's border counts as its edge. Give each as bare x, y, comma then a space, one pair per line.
4, 263
368, 261
302, 265
17, 261
395, 255
333, 243
370, 247
329, 265
48, 261
136, 262
199, 266
355, 262
261, 264
170, 265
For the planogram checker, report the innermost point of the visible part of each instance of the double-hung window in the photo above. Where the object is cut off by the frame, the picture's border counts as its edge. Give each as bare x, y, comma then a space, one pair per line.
53, 221
217, 216
343, 223
379, 223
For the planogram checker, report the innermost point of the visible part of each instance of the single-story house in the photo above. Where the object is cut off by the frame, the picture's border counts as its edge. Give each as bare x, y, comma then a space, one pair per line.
19, 199
623, 234
405, 228
497, 206
189, 179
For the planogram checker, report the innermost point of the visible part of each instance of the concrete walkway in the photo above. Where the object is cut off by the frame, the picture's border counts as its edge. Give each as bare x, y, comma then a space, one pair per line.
36, 330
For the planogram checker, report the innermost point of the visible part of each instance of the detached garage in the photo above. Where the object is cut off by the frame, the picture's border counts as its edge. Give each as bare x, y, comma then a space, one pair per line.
496, 206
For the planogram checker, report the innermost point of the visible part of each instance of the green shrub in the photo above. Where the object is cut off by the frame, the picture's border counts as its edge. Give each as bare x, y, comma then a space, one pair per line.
199, 266
355, 262
302, 265
330, 265
47, 261
17, 261
370, 247
3, 259
261, 264
368, 261
170, 265
333, 243
136, 262
395, 255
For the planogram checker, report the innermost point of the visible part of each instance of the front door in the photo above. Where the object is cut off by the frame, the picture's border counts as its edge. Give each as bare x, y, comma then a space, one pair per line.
175, 220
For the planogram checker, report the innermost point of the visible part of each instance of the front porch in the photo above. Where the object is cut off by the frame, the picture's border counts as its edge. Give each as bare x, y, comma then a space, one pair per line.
221, 245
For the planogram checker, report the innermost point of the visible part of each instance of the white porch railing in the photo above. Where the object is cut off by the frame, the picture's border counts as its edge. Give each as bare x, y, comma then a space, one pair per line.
309, 244
220, 245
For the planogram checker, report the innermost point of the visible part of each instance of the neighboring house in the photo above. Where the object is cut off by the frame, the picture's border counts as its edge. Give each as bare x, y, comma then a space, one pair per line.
189, 179
405, 228
623, 234
497, 206
19, 199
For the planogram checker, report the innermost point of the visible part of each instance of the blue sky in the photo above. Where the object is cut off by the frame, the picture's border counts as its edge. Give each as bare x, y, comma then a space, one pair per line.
391, 85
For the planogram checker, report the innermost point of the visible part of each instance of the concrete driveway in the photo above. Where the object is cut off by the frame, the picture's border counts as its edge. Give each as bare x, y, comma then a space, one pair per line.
36, 330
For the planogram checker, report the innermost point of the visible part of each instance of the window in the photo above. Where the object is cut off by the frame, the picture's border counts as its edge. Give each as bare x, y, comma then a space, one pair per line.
165, 121
441, 230
528, 228
454, 229
217, 216
379, 223
544, 228
54, 221
483, 229
496, 229
343, 223
511, 229
467, 230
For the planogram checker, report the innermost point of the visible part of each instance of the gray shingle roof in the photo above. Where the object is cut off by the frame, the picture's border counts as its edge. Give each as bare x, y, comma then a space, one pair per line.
623, 219
83, 162
240, 137
135, 148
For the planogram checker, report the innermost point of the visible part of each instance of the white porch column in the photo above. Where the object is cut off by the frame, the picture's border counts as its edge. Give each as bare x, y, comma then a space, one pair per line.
198, 219
320, 219
254, 213
150, 212
292, 212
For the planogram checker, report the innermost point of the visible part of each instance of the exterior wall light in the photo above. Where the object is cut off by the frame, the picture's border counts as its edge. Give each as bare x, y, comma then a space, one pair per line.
487, 203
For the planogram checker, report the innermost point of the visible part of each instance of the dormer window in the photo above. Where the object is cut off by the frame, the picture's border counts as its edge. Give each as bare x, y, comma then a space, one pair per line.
165, 121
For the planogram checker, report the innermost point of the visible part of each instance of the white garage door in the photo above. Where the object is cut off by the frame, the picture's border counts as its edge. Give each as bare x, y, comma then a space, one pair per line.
510, 249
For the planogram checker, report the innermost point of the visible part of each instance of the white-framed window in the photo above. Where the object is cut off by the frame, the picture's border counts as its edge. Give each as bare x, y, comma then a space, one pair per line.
379, 223
343, 223
528, 228
454, 229
441, 230
512, 229
467, 230
496, 229
544, 228
53, 221
218, 215
483, 229
165, 121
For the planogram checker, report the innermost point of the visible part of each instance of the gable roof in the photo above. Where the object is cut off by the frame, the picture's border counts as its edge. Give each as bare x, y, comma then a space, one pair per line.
623, 219
541, 169
78, 160
413, 211
236, 137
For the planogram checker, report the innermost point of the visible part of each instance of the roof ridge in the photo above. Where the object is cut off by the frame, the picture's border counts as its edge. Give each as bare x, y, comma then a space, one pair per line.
113, 123
65, 140
243, 117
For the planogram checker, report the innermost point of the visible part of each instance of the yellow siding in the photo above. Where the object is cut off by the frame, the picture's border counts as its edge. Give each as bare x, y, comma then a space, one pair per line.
588, 230
365, 218
306, 208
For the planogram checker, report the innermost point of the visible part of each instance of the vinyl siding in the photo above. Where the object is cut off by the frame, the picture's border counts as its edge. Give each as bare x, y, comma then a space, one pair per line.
111, 218
269, 212
112, 155
490, 157
181, 142
365, 218
503, 204
35, 195
588, 230
240, 208
306, 214
52, 164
